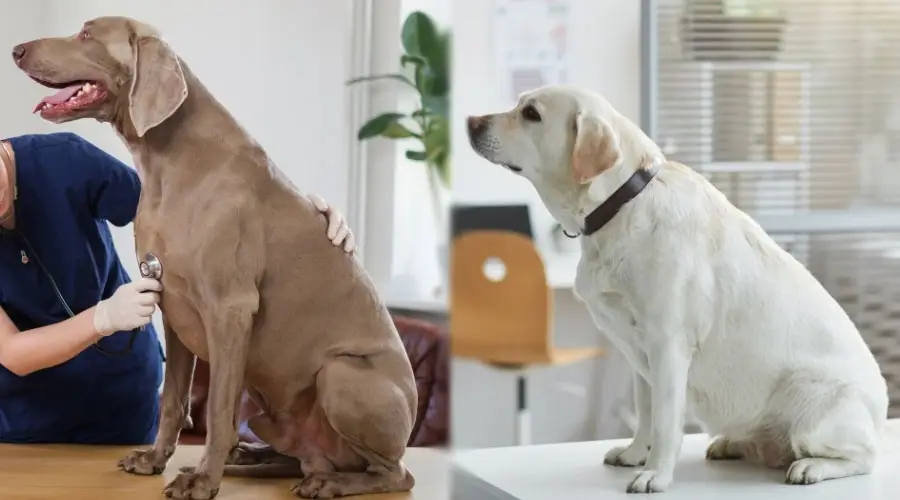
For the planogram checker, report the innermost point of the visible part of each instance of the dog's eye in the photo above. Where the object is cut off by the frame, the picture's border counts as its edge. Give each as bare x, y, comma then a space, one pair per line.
531, 114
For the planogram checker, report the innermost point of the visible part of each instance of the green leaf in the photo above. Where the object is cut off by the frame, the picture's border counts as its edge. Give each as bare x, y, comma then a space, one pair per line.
389, 76
414, 60
419, 35
378, 125
416, 155
398, 131
439, 66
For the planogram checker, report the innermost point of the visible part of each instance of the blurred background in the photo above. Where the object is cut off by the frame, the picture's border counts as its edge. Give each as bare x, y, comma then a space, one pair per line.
790, 107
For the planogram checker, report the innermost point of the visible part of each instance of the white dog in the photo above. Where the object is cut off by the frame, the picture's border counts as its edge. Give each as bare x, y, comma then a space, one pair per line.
706, 307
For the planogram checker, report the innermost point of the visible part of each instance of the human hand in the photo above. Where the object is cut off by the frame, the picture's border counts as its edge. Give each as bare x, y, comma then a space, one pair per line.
131, 306
338, 230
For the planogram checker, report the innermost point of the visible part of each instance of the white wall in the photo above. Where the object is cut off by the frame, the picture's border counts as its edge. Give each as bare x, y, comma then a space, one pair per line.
569, 403
20, 94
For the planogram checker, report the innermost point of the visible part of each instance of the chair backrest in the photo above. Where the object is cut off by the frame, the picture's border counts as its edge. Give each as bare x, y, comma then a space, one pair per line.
500, 321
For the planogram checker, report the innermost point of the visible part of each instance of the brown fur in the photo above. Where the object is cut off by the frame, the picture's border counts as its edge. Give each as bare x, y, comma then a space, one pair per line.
250, 284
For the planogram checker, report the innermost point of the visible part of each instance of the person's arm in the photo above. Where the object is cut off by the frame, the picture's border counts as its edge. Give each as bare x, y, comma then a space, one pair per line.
131, 306
26, 352
112, 188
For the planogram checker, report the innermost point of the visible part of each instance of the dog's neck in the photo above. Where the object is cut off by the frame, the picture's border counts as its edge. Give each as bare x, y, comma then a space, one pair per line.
570, 203
201, 119
636, 151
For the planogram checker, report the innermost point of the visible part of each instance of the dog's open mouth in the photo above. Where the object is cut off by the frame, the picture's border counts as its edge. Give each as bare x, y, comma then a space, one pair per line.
71, 97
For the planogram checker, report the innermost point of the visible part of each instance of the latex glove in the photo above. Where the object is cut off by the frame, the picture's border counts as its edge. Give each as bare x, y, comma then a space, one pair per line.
131, 306
338, 230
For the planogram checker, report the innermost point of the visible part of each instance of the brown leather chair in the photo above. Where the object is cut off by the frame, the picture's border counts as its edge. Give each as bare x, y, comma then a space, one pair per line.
428, 349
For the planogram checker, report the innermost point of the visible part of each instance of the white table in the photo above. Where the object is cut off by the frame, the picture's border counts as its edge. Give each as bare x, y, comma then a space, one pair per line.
575, 471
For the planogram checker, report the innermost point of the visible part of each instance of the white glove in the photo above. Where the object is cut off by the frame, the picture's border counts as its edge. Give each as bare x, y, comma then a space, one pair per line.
131, 306
338, 231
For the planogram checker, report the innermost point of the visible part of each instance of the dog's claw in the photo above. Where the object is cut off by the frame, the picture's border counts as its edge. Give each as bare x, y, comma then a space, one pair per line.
627, 456
191, 486
720, 449
144, 462
649, 481
804, 471
315, 486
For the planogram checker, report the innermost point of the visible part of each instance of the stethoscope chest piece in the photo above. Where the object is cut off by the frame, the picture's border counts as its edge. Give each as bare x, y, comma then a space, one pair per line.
151, 267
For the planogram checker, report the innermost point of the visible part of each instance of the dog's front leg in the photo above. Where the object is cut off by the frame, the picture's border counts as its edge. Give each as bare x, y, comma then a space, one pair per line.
228, 336
174, 409
636, 452
669, 361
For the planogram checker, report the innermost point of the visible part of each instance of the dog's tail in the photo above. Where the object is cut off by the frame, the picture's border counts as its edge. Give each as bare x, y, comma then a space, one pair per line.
268, 471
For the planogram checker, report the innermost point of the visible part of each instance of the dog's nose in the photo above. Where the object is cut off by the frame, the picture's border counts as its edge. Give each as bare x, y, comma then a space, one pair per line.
477, 125
18, 53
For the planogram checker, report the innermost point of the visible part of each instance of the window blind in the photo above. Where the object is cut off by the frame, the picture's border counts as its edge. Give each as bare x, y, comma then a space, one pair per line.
792, 109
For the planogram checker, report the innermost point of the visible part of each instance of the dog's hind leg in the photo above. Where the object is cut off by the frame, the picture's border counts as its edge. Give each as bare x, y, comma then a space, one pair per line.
722, 448
374, 416
842, 442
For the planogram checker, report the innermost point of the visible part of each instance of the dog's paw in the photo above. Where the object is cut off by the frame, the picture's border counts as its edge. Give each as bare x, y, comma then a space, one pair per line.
722, 449
806, 471
144, 462
632, 455
317, 486
191, 486
649, 481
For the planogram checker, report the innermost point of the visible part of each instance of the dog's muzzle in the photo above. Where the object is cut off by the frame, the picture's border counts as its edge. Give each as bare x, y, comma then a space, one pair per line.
478, 127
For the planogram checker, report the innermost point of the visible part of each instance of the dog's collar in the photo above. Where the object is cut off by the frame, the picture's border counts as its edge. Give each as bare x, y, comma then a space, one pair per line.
601, 215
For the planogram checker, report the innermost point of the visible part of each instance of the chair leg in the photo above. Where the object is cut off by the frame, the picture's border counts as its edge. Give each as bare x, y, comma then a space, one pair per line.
523, 416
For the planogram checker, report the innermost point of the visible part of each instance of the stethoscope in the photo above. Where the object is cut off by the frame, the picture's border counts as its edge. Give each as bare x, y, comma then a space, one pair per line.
150, 267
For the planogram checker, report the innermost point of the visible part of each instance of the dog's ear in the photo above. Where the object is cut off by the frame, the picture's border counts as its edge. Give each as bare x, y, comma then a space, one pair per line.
158, 87
596, 147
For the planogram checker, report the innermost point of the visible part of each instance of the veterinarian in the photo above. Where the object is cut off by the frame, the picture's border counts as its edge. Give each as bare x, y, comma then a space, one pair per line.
75, 379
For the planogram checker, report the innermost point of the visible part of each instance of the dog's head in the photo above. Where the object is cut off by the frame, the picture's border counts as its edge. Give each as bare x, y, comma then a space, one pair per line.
114, 69
557, 133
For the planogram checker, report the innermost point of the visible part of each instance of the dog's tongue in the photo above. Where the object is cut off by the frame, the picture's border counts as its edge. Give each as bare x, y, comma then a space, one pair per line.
59, 97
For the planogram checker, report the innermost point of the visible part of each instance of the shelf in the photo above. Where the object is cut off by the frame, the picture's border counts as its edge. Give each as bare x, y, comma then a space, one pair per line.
832, 221
752, 167
770, 66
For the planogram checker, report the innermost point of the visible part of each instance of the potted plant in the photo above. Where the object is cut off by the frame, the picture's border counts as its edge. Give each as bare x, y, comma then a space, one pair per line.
425, 69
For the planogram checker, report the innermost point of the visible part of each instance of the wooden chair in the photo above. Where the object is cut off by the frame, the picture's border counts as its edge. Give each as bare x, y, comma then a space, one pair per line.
505, 321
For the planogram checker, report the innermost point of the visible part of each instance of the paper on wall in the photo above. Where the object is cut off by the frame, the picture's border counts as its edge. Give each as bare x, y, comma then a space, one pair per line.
530, 44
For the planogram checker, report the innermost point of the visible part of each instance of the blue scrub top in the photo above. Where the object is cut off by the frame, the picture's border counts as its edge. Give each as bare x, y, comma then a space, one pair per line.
67, 191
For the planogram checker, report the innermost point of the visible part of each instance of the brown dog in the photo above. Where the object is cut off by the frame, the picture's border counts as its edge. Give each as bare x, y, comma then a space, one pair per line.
251, 286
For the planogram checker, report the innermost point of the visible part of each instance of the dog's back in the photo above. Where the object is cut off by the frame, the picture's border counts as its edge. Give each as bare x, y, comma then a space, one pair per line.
766, 335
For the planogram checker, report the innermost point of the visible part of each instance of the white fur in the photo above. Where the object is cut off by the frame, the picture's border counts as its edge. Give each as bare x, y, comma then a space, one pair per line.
707, 308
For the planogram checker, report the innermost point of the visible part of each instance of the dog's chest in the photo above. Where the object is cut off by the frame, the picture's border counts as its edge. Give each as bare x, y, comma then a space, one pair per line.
178, 256
597, 285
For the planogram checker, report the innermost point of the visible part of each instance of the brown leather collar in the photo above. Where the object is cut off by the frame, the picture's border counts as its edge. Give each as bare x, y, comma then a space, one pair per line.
601, 215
